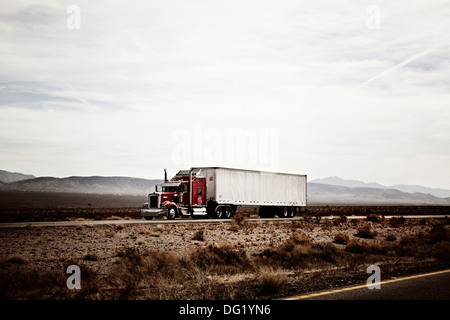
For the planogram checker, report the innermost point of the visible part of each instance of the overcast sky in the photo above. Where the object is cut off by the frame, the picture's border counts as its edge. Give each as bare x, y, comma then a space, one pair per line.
356, 89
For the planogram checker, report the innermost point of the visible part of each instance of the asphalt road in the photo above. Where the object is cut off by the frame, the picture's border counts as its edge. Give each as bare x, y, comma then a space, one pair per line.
428, 286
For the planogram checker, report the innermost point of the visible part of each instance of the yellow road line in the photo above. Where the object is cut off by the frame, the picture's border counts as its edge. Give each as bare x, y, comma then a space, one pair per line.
311, 295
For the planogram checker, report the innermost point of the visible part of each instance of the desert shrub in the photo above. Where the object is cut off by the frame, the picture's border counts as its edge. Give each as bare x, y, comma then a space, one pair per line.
374, 217
341, 219
356, 246
223, 259
199, 236
119, 226
438, 233
366, 231
240, 220
30, 284
152, 269
162, 265
291, 253
132, 255
441, 251
297, 238
328, 253
327, 225
341, 238
397, 221
422, 222
408, 245
298, 252
271, 281
447, 220
361, 247
91, 283
26, 283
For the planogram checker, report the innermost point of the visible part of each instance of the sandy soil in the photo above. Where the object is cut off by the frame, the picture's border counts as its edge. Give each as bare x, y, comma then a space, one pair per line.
47, 247
53, 248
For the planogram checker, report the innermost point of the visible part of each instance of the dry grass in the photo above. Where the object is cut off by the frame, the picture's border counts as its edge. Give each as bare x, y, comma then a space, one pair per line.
366, 231
298, 252
271, 281
341, 238
250, 262
199, 236
239, 221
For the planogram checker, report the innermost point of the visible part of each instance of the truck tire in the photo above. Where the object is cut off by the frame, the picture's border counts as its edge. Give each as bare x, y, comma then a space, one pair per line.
171, 213
284, 212
227, 213
218, 212
292, 212
148, 218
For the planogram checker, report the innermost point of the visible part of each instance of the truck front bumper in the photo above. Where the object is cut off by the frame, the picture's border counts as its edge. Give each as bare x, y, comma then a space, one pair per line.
153, 212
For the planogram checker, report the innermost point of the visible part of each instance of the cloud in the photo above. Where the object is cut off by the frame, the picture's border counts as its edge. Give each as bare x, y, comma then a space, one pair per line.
111, 93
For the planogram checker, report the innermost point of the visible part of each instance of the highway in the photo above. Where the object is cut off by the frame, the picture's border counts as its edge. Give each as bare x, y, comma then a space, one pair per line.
428, 286
181, 220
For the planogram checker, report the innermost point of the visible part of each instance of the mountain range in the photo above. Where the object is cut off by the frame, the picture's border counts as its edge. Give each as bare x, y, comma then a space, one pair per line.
6, 176
95, 184
331, 190
440, 193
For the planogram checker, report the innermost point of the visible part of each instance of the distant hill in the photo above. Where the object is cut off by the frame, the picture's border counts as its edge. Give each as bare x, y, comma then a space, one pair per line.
95, 184
6, 176
354, 192
319, 193
336, 181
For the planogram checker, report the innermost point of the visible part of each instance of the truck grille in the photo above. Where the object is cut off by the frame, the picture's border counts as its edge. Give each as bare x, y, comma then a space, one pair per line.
153, 201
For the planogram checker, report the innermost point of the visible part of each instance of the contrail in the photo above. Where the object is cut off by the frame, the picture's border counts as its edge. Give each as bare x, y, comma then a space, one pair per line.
409, 60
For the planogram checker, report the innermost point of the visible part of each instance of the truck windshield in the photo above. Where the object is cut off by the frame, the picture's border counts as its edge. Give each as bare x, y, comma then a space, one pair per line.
169, 189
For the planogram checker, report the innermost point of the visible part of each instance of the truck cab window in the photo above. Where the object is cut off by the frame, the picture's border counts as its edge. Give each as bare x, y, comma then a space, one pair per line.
170, 189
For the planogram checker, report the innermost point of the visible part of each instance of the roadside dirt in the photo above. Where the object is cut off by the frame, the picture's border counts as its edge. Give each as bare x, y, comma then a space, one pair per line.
270, 258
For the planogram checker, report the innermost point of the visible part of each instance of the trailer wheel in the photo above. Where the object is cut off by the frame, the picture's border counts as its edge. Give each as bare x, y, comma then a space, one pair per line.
284, 212
172, 213
226, 212
292, 212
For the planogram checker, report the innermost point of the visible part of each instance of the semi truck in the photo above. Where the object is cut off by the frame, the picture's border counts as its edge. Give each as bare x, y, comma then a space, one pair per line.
217, 192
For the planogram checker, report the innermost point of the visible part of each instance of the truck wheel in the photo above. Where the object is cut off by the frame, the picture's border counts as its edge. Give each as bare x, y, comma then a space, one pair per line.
172, 213
148, 218
226, 212
218, 213
284, 212
292, 212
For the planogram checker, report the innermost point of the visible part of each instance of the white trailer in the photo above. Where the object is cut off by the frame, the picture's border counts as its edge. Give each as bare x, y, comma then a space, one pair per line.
274, 193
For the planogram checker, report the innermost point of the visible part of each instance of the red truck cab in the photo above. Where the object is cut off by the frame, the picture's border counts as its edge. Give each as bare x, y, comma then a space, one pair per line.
174, 198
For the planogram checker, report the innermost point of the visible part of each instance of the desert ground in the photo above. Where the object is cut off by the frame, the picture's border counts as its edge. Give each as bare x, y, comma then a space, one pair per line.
242, 259
237, 259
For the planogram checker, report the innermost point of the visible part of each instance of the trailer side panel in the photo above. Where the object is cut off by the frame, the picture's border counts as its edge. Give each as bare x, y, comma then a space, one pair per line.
248, 187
